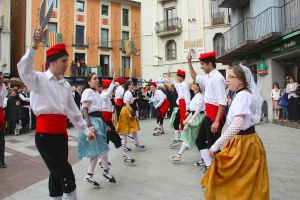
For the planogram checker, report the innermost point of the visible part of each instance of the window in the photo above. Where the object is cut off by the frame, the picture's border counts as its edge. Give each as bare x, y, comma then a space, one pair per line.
170, 15
217, 16
104, 37
104, 64
125, 35
104, 10
80, 6
171, 50
54, 3
125, 64
125, 17
79, 35
52, 27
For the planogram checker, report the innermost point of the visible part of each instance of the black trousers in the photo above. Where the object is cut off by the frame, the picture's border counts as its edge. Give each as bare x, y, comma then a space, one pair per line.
159, 118
113, 136
118, 111
293, 108
206, 138
54, 151
24, 116
2, 145
176, 123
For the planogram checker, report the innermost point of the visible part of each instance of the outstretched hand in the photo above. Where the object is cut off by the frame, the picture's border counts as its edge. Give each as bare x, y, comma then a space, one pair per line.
38, 36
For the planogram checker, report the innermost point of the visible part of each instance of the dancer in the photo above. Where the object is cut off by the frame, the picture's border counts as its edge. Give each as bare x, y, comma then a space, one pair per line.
215, 100
119, 93
240, 169
183, 101
161, 108
128, 123
52, 102
106, 112
91, 104
3, 94
192, 122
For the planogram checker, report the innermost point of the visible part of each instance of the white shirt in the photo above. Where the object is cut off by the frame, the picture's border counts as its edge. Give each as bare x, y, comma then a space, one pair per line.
3, 94
106, 96
196, 105
49, 95
291, 89
183, 92
275, 94
128, 97
93, 97
214, 86
119, 92
242, 104
158, 97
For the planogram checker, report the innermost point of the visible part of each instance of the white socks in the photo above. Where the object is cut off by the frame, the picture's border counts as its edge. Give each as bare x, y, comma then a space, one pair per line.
136, 139
206, 157
182, 149
124, 139
177, 135
92, 165
71, 196
123, 153
57, 198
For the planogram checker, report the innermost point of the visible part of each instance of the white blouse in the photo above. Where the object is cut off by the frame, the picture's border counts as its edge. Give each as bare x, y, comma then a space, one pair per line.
197, 105
92, 96
291, 89
158, 97
128, 97
214, 86
275, 94
119, 92
183, 92
106, 96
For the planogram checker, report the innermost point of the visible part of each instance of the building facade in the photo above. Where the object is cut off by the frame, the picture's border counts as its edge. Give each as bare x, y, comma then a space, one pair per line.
5, 36
173, 28
265, 35
103, 36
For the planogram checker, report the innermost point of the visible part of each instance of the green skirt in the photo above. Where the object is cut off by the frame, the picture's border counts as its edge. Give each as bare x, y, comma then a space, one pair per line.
173, 116
190, 133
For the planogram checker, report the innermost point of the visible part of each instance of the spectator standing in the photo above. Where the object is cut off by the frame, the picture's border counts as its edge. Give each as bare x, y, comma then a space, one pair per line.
12, 112
3, 93
275, 95
78, 67
74, 68
24, 109
291, 89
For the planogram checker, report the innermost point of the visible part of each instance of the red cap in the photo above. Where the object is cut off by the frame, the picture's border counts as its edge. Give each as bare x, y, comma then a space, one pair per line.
106, 83
55, 52
121, 80
154, 84
181, 73
204, 56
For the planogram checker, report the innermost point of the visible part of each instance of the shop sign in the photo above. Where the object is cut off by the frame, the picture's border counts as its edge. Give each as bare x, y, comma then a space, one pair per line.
286, 45
262, 67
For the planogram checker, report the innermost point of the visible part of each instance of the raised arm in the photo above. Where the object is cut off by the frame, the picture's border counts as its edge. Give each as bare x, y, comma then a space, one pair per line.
192, 71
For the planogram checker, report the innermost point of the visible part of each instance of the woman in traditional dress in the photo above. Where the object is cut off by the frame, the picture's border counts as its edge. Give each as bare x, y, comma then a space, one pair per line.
192, 122
240, 170
128, 123
91, 104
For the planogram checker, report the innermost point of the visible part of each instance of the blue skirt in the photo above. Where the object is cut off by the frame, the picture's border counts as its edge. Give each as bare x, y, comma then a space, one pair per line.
97, 148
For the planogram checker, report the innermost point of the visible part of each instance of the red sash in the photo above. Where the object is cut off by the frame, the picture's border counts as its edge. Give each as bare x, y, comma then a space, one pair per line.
51, 124
106, 116
164, 108
119, 102
2, 119
212, 111
182, 112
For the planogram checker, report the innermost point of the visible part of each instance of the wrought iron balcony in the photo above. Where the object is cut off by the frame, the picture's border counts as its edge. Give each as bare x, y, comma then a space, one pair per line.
80, 42
169, 27
218, 18
232, 3
255, 31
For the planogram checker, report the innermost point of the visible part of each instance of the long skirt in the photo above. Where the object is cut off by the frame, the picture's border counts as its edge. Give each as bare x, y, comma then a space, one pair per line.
190, 133
239, 171
97, 148
173, 116
127, 123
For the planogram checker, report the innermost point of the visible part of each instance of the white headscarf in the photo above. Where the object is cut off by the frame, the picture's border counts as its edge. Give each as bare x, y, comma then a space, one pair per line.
255, 92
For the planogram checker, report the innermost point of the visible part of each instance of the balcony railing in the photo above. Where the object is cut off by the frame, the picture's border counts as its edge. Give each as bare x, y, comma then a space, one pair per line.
168, 27
218, 18
105, 44
255, 31
81, 42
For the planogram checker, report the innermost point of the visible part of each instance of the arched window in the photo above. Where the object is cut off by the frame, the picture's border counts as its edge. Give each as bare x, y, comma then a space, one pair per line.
219, 43
171, 50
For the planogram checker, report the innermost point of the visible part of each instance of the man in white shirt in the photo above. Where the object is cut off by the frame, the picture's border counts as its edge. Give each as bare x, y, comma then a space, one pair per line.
3, 94
215, 100
52, 102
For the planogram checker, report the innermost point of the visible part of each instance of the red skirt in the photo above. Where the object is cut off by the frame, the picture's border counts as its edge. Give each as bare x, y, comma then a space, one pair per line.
182, 112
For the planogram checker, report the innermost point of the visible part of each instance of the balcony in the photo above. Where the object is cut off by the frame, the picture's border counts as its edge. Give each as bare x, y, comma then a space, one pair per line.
233, 3
164, 1
107, 45
1, 22
80, 42
254, 32
218, 18
168, 27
